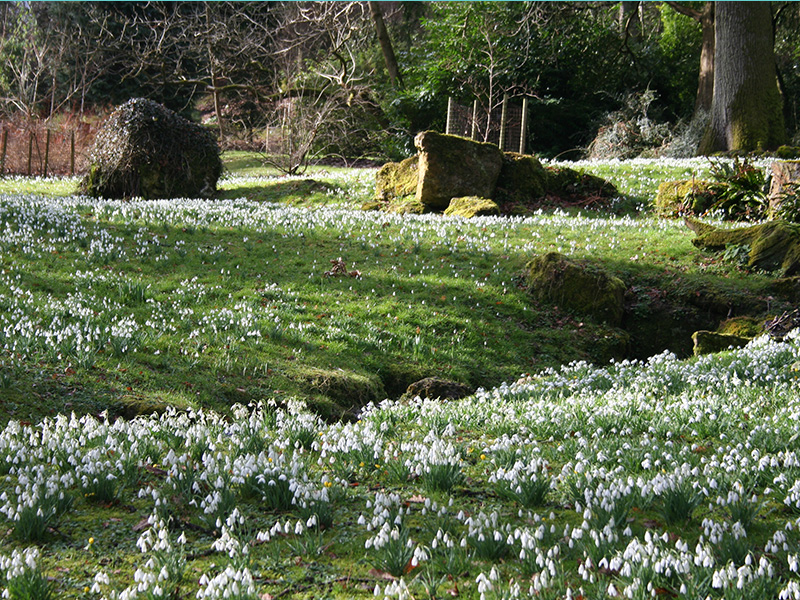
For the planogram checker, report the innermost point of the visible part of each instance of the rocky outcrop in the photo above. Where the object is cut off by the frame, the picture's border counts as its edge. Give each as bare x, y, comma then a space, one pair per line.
451, 166
436, 387
710, 342
146, 150
578, 287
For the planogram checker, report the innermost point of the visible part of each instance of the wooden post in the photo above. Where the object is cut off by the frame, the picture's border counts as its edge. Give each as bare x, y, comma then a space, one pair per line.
72, 152
46, 152
503, 115
523, 130
266, 140
3, 152
449, 115
30, 152
474, 132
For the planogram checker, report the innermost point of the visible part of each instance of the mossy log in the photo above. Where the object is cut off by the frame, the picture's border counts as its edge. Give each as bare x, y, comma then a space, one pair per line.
774, 246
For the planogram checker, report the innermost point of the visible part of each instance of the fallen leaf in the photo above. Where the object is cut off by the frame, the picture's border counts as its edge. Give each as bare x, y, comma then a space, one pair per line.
381, 575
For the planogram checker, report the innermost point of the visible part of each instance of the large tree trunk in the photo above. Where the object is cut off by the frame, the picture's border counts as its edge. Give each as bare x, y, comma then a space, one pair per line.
705, 84
386, 43
747, 108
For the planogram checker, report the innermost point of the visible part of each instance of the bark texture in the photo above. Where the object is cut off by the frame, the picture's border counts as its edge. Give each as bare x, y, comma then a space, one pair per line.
746, 111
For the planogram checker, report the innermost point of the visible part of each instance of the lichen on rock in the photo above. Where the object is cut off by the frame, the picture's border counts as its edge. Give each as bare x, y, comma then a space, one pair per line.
451, 166
472, 206
397, 180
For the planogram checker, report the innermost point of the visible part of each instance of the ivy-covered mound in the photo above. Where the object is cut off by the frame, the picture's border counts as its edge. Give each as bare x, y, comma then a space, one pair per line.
146, 150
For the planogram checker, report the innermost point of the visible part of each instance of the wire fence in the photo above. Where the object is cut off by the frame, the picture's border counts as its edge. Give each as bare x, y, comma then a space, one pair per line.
41, 149
505, 125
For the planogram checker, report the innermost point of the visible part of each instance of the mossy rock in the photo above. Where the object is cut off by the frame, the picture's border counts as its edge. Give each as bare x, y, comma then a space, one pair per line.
146, 150
472, 206
576, 286
451, 166
522, 178
437, 388
743, 327
407, 205
788, 152
563, 181
346, 389
397, 180
687, 196
711, 342
774, 246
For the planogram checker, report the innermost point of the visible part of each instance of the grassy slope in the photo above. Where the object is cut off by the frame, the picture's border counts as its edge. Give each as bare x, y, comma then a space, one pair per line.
435, 296
731, 416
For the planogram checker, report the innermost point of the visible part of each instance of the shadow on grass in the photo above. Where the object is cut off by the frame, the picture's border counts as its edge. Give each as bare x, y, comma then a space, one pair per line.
290, 191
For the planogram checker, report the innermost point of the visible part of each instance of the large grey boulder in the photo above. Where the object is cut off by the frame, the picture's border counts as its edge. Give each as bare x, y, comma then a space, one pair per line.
451, 166
146, 150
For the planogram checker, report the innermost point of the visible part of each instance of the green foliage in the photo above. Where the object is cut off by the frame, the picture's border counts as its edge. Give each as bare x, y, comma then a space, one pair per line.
741, 190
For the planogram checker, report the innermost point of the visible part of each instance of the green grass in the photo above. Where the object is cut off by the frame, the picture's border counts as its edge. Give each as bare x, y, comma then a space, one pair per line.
200, 305
433, 296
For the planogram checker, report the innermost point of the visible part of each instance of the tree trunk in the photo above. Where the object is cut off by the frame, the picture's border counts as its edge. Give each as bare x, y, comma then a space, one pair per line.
747, 108
705, 84
386, 43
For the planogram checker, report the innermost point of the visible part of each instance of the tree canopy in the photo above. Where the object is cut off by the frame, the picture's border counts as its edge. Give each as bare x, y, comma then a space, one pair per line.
361, 78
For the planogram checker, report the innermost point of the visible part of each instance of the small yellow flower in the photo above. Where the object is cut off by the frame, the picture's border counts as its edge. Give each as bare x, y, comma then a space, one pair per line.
361, 464
327, 484
91, 541
483, 457
86, 590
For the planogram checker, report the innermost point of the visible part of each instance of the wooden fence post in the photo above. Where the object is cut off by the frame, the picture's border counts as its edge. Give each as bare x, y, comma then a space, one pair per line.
447, 127
72, 153
46, 152
30, 151
474, 132
3, 152
523, 130
503, 115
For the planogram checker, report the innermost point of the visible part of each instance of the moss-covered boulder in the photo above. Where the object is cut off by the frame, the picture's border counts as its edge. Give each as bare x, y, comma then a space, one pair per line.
687, 196
563, 181
522, 178
436, 387
576, 286
472, 206
451, 166
774, 246
710, 342
397, 180
743, 327
146, 150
